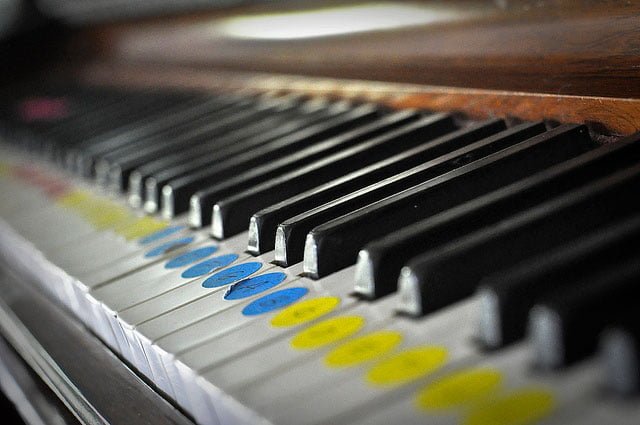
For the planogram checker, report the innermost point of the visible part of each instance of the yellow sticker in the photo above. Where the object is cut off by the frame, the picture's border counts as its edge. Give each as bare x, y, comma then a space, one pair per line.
73, 199
139, 227
4, 168
408, 365
459, 388
363, 349
327, 332
109, 216
522, 407
305, 311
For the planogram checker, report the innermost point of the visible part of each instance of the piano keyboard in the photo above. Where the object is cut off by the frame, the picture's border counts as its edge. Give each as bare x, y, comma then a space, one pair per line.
267, 258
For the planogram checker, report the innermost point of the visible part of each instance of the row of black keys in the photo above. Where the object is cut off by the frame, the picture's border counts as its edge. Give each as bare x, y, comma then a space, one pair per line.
532, 217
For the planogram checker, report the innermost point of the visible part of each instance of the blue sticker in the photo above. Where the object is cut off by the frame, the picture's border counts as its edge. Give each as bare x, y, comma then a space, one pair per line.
207, 266
190, 257
232, 274
168, 246
274, 301
167, 231
254, 285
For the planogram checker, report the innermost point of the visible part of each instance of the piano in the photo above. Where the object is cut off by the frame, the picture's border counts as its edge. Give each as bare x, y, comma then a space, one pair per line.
320, 213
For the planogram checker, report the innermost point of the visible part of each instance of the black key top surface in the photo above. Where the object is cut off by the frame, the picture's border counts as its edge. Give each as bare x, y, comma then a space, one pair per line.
291, 233
435, 279
379, 263
338, 241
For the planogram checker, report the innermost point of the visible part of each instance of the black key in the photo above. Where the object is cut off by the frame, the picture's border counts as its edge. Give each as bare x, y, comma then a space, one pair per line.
216, 125
290, 234
241, 111
347, 234
220, 139
508, 296
436, 279
564, 328
371, 160
113, 169
198, 149
620, 354
338, 242
229, 216
121, 165
379, 263
143, 119
242, 139
177, 193
132, 110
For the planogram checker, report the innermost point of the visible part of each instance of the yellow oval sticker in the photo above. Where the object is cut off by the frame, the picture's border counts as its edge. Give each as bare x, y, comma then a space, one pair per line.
521, 407
139, 227
305, 311
362, 349
408, 365
459, 388
327, 332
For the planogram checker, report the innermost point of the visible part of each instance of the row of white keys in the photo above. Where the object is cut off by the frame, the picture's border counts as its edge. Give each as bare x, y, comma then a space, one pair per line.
187, 353
199, 347
425, 346
171, 299
143, 257
512, 392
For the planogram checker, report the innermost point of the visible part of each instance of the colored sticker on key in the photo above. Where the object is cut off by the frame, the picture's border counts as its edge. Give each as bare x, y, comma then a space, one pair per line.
408, 365
207, 266
327, 332
160, 234
109, 215
254, 285
305, 311
231, 275
168, 246
73, 199
459, 388
4, 169
274, 301
190, 257
363, 349
522, 407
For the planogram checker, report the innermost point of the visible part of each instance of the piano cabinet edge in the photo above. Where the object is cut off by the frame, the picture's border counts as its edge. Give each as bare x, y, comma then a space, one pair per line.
607, 117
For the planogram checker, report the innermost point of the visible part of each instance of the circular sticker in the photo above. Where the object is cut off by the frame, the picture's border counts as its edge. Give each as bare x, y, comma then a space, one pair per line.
207, 266
232, 274
521, 407
190, 257
138, 227
408, 365
167, 231
459, 388
327, 331
363, 349
305, 311
254, 285
274, 301
168, 246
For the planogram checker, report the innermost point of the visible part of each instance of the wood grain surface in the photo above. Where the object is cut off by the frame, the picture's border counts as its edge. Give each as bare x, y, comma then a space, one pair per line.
560, 47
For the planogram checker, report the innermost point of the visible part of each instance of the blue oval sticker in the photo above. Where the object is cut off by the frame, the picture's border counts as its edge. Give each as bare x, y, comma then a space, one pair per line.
168, 246
190, 257
207, 266
167, 231
232, 274
254, 285
274, 301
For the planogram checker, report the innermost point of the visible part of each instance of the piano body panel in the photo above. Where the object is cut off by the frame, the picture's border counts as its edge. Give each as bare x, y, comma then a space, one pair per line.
554, 61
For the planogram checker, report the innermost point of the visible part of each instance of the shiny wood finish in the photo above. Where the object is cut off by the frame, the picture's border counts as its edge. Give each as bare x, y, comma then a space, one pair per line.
605, 116
561, 47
